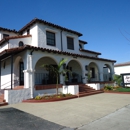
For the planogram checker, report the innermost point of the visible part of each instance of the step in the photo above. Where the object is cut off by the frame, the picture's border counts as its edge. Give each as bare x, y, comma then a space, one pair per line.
3, 103
91, 93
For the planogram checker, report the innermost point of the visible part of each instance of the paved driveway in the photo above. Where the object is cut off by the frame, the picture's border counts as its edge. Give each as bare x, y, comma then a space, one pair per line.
78, 112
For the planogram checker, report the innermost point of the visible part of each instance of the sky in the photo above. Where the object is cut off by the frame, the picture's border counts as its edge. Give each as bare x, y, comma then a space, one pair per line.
105, 24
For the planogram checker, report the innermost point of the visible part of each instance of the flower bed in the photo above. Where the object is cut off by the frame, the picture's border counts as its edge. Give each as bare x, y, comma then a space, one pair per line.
51, 98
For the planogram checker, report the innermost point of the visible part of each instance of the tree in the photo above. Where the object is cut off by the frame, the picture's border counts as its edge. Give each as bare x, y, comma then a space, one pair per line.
58, 70
118, 79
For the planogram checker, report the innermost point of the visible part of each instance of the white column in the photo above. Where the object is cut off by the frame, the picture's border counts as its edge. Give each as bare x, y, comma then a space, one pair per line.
84, 77
101, 78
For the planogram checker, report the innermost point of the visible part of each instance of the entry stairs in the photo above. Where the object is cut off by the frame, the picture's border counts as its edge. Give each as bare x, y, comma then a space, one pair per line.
85, 90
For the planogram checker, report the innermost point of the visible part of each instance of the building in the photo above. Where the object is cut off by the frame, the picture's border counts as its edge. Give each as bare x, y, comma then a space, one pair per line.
40, 42
122, 68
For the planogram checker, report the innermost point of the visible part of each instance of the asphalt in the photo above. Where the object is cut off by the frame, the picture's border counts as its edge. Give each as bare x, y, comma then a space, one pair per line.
97, 112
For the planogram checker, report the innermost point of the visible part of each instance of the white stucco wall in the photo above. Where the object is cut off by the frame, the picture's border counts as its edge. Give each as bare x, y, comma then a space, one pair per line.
122, 69
15, 42
6, 32
3, 47
47, 91
34, 33
17, 96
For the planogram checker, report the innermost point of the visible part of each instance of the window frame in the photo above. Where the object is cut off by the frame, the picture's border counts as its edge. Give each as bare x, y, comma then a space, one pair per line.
68, 43
5, 35
47, 38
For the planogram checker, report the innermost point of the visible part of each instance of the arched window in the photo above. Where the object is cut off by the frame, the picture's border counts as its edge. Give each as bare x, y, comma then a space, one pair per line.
21, 43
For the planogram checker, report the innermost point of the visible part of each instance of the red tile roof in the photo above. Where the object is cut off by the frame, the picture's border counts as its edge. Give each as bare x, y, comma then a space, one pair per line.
47, 23
13, 37
98, 53
8, 52
122, 64
9, 30
84, 42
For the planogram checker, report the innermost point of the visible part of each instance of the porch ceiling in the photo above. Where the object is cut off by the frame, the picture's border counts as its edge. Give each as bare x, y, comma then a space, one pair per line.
17, 50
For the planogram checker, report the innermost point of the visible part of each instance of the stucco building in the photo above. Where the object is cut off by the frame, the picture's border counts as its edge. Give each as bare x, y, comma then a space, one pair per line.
40, 42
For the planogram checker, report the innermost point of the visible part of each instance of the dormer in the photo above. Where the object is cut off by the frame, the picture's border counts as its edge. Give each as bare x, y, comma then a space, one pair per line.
81, 44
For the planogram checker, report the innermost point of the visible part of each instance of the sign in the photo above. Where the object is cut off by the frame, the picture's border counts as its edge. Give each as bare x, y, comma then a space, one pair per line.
126, 78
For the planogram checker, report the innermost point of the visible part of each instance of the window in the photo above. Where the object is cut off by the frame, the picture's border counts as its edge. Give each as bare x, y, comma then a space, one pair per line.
5, 35
70, 43
50, 38
28, 31
21, 43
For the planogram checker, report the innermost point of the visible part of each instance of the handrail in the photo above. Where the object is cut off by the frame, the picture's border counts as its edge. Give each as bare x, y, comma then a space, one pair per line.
9, 85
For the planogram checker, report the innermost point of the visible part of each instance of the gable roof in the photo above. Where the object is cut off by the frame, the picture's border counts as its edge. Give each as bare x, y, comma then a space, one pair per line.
47, 23
94, 52
9, 30
122, 64
13, 37
16, 50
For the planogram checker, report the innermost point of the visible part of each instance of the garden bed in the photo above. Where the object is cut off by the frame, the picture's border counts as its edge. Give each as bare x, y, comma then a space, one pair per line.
50, 99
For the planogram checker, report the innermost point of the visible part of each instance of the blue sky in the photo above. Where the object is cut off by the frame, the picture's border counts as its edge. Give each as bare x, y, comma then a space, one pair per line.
105, 24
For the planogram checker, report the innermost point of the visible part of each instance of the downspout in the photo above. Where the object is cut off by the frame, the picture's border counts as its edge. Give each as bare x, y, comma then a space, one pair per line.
61, 40
11, 71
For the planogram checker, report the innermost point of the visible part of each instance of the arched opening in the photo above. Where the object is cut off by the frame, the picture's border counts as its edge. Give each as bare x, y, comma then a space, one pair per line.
18, 71
43, 76
93, 72
107, 75
21, 44
76, 72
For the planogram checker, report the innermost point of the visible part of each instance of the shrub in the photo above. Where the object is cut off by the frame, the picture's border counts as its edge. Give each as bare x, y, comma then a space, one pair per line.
37, 97
108, 87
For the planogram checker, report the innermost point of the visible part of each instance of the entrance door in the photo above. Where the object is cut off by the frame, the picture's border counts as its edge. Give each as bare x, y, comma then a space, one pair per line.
21, 74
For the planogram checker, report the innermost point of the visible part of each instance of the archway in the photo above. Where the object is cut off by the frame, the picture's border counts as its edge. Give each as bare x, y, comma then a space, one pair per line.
75, 68
93, 72
107, 72
43, 76
18, 71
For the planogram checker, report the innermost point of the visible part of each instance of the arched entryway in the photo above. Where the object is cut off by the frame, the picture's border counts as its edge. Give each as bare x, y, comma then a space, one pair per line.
43, 76
18, 71
107, 72
76, 72
93, 72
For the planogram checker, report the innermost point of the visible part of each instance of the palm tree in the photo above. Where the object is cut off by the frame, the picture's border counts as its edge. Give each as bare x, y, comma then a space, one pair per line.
58, 70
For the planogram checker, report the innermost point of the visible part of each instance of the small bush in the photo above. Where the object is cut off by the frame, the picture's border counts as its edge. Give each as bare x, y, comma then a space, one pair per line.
37, 97
108, 87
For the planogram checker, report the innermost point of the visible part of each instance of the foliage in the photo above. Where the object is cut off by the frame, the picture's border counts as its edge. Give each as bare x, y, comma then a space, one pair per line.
47, 97
38, 97
121, 89
108, 87
57, 70
117, 79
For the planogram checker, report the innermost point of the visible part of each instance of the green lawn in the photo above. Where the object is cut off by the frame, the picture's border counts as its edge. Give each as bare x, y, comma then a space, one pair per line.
123, 89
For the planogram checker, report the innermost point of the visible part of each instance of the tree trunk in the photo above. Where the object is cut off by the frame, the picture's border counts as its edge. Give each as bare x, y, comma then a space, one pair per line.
57, 85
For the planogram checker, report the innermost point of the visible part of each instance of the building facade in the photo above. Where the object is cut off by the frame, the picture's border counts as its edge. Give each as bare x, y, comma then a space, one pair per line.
23, 52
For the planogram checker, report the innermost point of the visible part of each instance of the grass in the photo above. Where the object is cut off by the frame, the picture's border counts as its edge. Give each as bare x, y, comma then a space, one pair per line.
123, 89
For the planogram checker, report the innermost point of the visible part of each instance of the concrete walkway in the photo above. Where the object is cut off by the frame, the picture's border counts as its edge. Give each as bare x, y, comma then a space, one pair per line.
76, 113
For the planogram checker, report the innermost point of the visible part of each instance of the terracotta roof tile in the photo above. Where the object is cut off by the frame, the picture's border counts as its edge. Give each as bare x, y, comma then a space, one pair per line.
13, 37
122, 64
9, 30
98, 53
8, 52
84, 42
48, 23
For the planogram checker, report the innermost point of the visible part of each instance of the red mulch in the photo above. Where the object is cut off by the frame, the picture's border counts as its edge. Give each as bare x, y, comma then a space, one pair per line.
49, 100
